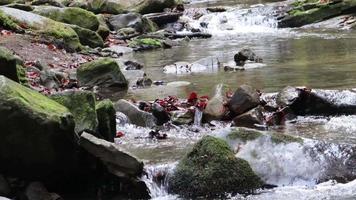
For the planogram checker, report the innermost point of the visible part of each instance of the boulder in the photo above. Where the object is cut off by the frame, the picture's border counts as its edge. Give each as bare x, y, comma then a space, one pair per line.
131, 20
37, 135
82, 105
103, 72
58, 31
37, 191
107, 119
306, 12
244, 99
145, 44
5, 189
103, 29
246, 54
211, 170
88, 37
99, 6
215, 109
11, 66
162, 19
135, 115
154, 6
250, 119
118, 162
5, 2
75, 16
303, 101
160, 114
182, 117
56, 3
24, 7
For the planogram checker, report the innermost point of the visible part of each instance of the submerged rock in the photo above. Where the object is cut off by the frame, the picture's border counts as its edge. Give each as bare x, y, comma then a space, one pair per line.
211, 169
244, 99
82, 105
107, 119
135, 115
104, 73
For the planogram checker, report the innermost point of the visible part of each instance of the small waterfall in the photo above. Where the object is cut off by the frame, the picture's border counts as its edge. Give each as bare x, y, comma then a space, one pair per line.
157, 182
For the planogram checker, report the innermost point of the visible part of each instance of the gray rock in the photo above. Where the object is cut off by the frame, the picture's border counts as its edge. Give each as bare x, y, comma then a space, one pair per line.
244, 99
107, 119
182, 117
131, 20
135, 115
250, 119
215, 109
8, 63
246, 54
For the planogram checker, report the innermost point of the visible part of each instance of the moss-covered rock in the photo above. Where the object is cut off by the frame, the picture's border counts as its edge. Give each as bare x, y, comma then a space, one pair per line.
8, 23
153, 6
5, 2
76, 16
44, 26
132, 20
99, 6
311, 11
244, 134
145, 43
88, 37
10, 66
103, 29
278, 138
107, 119
82, 105
212, 170
37, 134
103, 72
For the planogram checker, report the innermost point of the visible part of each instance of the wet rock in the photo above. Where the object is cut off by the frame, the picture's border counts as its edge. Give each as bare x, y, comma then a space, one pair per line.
160, 114
118, 162
11, 66
303, 13
42, 146
131, 20
37, 191
216, 9
107, 119
154, 6
104, 73
99, 6
59, 32
244, 99
75, 16
250, 119
5, 189
136, 116
132, 65
103, 29
146, 44
303, 101
246, 54
162, 19
182, 117
82, 105
215, 109
88, 37
212, 161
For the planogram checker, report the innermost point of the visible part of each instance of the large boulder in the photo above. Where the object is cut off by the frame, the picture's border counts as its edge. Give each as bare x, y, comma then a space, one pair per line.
135, 115
10, 66
211, 169
82, 105
107, 119
103, 72
131, 20
244, 99
153, 6
37, 135
88, 37
303, 101
307, 12
43, 26
76, 16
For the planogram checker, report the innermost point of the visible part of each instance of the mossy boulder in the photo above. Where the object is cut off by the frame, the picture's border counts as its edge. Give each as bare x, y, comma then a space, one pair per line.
10, 66
310, 11
99, 6
8, 23
139, 44
103, 72
82, 105
37, 134
132, 20
107, 119
103, 29
76, 16
211, 170
88, 37
153, 6
44, 26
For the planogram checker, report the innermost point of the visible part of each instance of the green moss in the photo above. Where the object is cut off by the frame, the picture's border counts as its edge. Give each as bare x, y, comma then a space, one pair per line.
152, 6
212, 170
107, 119
149, 25
8, 23
21, 74
244, 134
29, 99
88, 37
283, 138
82, 105
155, 43
103, 29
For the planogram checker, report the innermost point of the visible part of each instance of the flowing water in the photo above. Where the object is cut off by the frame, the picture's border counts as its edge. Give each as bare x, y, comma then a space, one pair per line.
317, 58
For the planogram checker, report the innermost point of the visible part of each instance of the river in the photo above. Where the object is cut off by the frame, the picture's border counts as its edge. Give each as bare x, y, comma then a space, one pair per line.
317, 58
